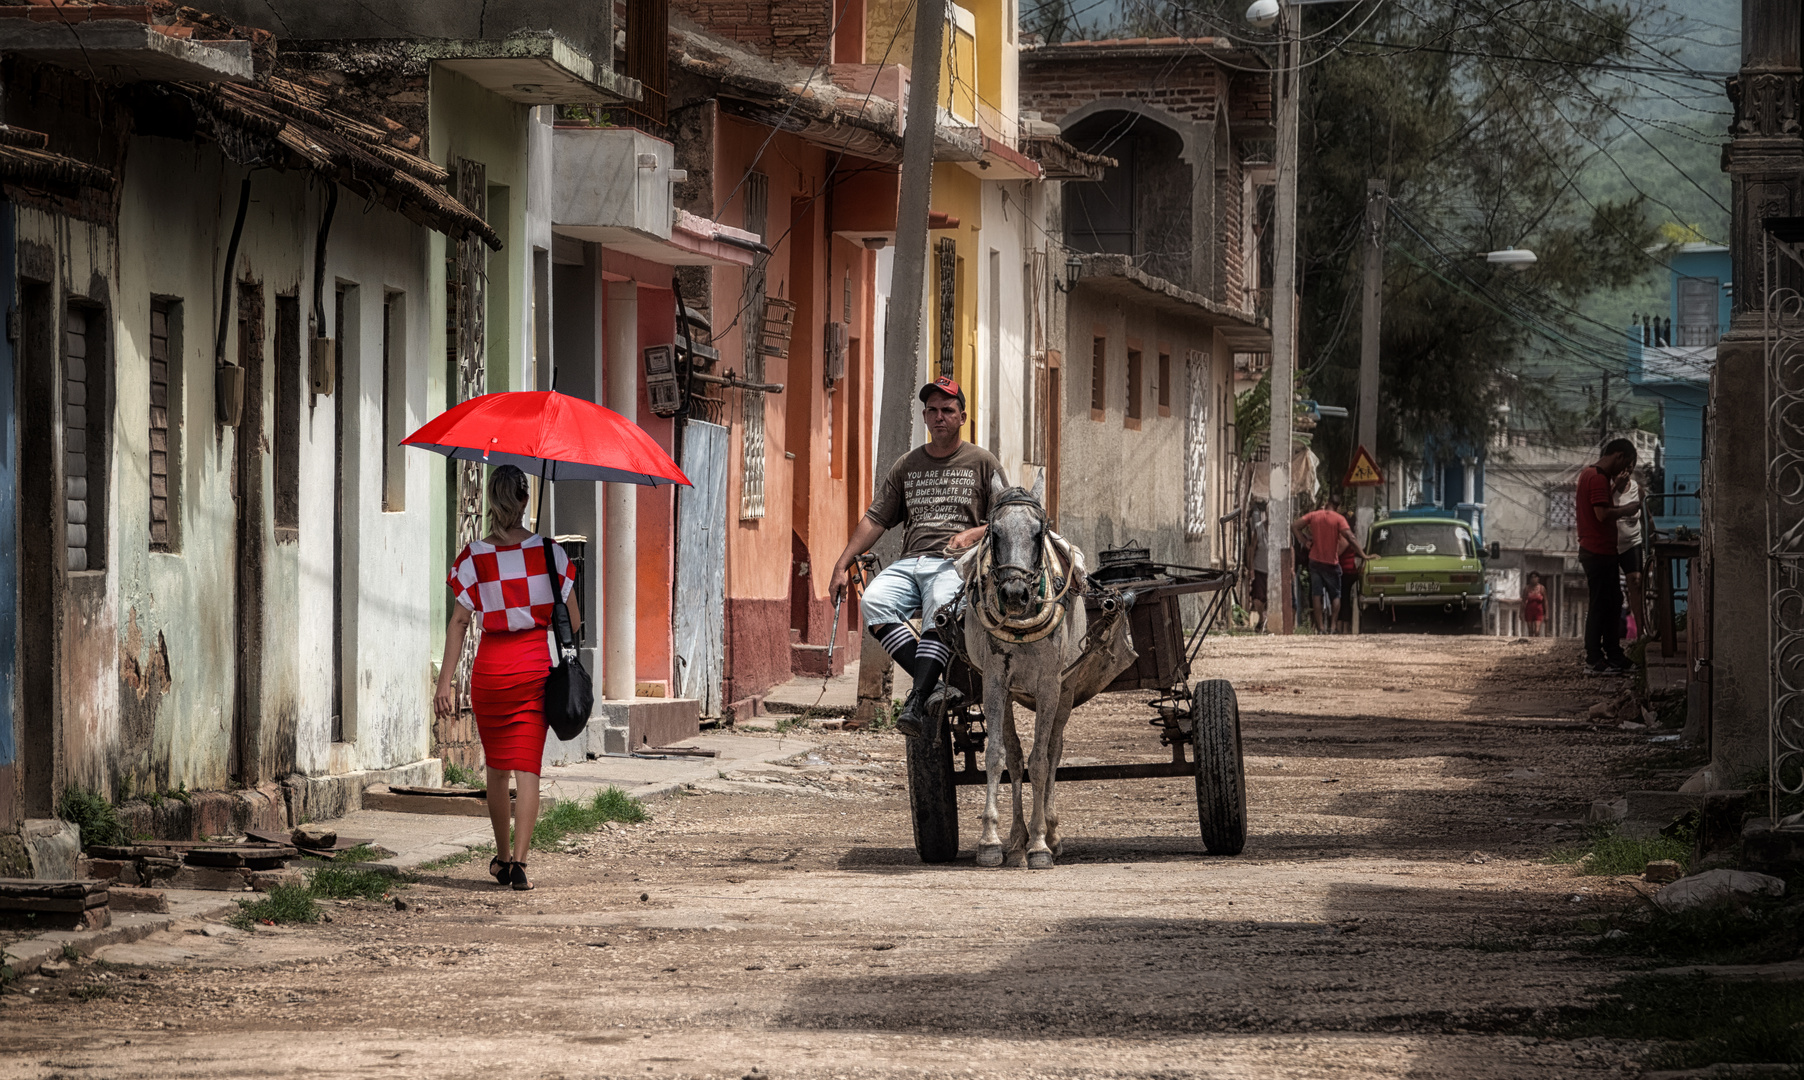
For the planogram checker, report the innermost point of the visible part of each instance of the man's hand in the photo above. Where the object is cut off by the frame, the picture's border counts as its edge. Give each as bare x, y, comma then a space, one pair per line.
842, 580
965, 541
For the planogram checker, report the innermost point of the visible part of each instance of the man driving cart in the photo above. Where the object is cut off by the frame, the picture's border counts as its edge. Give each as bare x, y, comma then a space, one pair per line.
940, 494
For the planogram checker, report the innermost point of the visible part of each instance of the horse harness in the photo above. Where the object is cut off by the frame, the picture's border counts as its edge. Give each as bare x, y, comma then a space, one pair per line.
1053, 584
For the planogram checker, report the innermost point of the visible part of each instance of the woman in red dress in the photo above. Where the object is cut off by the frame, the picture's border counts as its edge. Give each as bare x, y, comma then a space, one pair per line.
1534, 607
504, 579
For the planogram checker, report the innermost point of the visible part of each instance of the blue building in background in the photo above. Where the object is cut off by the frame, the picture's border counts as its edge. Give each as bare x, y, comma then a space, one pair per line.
1670, 360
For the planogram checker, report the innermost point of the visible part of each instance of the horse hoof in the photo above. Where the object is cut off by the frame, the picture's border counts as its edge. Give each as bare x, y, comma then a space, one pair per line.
989, 855
1039, 860
1017, 858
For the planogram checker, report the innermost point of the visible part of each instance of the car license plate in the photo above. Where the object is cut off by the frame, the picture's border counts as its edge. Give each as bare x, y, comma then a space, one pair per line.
1424, 586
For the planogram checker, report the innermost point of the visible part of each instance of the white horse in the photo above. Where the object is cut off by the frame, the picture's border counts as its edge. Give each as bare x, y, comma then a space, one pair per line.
1024, 629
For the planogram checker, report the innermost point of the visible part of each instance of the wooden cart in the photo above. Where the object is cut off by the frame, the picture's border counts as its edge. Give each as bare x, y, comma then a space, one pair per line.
1200, 722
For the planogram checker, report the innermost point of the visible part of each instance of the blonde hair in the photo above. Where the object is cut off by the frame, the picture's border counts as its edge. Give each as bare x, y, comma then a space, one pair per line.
507, 499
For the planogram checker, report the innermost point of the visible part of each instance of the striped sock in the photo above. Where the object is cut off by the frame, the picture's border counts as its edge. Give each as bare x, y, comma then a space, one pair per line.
933, 649
897, 639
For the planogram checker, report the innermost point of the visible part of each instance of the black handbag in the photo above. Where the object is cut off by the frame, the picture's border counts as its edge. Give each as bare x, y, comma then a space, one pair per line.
569, 694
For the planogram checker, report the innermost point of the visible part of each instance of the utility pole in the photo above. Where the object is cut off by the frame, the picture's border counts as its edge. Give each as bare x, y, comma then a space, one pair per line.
1603, 413
902, 329
1371, 321
1284, 344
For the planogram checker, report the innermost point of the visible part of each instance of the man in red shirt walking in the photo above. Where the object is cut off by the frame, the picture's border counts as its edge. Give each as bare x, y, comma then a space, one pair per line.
1597, 554
1327, 535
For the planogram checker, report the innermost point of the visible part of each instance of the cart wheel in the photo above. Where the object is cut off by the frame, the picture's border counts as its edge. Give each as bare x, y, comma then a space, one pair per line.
932, 796
1221, 790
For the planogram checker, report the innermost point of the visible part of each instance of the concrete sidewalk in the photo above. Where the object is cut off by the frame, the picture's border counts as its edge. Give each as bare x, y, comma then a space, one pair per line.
421, 838
804, 694
196, 905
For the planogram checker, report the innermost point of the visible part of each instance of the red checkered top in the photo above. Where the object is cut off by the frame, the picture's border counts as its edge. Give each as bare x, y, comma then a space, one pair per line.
507, 585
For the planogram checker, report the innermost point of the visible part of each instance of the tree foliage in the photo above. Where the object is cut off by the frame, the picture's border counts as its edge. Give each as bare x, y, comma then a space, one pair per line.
1479, 114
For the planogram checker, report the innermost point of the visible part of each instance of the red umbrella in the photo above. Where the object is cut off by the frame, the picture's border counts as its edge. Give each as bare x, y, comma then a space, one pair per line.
549, 435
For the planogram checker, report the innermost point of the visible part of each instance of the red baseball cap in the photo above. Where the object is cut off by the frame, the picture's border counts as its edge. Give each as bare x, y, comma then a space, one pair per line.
944, 385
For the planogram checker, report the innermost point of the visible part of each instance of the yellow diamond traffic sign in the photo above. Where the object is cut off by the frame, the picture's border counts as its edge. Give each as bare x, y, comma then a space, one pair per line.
1363, 472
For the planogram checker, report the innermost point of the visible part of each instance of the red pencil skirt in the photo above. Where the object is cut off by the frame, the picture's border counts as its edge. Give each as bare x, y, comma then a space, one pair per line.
507, 693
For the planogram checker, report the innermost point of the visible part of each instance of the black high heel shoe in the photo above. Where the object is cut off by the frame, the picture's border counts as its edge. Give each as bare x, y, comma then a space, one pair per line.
517, 875
498, 869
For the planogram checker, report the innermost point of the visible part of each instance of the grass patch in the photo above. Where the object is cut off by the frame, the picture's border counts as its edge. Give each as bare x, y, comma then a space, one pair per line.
91, 992
1702, 1020
578, 816
458, 776
1608, 853
93, 814
792, 723
360, 853
282, 904
345, 883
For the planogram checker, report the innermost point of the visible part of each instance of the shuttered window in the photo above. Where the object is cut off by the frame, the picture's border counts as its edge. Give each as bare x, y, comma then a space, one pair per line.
84, 464
163, 430
286, 465
1136, 383
1099, 376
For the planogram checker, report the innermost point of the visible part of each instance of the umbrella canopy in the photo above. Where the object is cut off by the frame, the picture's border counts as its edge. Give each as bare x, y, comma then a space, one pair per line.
550, 435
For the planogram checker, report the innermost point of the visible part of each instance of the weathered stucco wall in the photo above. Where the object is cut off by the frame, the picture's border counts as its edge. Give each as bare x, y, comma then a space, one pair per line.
179, 648
1118, 483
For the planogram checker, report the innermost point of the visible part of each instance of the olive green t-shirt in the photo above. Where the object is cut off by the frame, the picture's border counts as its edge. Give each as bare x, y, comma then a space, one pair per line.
938, 498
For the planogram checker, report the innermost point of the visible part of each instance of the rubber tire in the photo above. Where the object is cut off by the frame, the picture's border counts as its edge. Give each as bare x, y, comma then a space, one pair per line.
932, 798
1469, 621
1221, 789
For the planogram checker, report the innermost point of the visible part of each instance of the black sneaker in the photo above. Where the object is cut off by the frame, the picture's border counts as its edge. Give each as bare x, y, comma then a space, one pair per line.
1620, 665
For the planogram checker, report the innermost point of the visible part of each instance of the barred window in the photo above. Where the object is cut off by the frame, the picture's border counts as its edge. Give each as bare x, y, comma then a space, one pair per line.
1196, 445
751, 318
1562, 508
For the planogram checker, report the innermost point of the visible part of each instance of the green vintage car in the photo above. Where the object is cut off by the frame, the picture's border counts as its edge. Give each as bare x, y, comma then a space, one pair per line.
1423, 566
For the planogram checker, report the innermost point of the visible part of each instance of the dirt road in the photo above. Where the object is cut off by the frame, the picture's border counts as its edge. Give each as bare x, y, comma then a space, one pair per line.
1391, 917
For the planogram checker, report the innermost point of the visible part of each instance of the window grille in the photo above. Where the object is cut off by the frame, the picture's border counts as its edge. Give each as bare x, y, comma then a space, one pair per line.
1562, 508
947, 265
1196, 445
1099, 374
751, 319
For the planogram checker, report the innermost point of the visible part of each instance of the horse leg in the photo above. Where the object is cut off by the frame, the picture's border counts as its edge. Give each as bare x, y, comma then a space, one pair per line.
1053, 840
1017, 836
995, 706
1041, 766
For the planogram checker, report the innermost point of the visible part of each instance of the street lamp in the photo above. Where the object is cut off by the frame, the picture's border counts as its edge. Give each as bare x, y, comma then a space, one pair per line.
1513, 257
1262, 13
1074, 269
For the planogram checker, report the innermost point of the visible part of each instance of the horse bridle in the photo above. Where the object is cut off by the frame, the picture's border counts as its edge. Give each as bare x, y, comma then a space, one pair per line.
1005, 572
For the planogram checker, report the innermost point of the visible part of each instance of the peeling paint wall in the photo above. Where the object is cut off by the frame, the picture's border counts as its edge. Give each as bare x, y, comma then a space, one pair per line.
148, 652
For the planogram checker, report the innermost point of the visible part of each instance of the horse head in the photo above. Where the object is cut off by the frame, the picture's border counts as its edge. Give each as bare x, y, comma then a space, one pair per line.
1017, 540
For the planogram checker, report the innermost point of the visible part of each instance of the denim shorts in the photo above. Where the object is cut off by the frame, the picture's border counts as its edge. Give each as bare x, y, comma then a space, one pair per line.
1324, 580
909, 587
